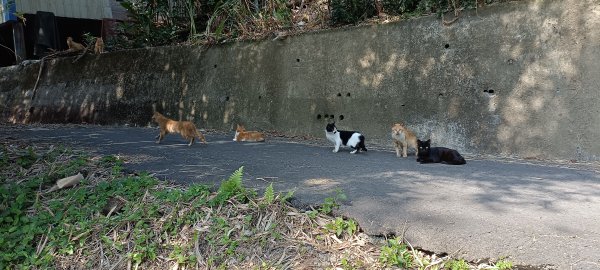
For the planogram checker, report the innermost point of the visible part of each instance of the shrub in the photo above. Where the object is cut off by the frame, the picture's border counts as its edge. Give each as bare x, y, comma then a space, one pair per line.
351, 11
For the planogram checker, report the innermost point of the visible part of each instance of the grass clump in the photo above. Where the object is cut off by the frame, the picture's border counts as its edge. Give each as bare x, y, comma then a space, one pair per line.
457, 265
341, 227
396, 253
503, 264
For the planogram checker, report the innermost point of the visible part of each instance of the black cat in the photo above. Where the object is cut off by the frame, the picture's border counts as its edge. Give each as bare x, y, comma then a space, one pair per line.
428, 154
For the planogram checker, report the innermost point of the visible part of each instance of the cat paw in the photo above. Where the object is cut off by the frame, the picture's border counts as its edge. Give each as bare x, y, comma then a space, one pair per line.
335, 151
353, 152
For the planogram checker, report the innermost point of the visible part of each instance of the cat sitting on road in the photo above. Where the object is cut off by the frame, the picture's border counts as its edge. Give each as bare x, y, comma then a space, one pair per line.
403, 138
355, 140
241, 135
428, 154
187, 129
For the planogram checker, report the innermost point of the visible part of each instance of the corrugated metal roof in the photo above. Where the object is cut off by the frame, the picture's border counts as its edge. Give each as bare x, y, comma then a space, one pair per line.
84, 9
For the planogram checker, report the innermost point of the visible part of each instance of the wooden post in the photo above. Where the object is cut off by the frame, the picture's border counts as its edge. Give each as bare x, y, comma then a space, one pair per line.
19, 41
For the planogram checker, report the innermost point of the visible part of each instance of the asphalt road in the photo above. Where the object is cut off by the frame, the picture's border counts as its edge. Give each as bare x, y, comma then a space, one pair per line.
534, 213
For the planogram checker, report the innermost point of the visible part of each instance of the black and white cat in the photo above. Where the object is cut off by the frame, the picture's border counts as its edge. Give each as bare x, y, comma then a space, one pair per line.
355, 140
428, 154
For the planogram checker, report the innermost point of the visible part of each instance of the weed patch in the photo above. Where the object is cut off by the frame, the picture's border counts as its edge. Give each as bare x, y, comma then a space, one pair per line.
396, 253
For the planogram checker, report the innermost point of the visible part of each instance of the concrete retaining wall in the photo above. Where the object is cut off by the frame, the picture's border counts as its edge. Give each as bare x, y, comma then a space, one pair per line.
516, 79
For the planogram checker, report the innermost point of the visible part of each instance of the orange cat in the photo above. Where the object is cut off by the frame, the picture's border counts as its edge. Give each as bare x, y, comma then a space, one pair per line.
74, 46
99, 46
403, 137
187, 129
241, 135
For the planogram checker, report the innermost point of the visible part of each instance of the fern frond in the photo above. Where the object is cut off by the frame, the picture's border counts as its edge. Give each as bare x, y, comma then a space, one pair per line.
230, 188
269, 195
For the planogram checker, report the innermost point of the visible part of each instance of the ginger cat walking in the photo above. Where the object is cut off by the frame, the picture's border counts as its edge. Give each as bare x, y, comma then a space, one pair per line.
187, 129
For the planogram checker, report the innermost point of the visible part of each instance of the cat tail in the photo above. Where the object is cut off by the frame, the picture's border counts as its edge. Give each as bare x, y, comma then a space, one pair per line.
200, 136
361, 144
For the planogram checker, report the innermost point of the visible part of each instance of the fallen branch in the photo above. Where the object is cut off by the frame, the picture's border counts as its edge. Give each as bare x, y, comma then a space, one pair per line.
415, 255
43, 243
456, 14
117, 263
12, 51
447, 23
88, 48
37, 81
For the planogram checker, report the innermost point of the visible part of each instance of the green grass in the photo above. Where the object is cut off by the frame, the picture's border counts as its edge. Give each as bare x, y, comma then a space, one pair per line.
342, 227
329, 204
396, 253
38, 227
503, 264
457, 265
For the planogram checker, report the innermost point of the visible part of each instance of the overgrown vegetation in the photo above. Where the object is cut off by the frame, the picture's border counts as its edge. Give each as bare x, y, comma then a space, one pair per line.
153, 23
351, 11
117, 220
396, 253
457, 265
161, 22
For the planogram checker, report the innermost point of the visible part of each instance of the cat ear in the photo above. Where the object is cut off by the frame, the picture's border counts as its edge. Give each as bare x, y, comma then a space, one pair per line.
419, 141
428, 141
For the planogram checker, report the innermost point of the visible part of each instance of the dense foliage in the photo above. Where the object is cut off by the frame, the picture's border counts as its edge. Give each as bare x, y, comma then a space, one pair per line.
162, 22
351, 11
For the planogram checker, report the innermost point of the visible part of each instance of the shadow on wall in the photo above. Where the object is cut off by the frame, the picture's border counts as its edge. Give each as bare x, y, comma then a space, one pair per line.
464, 88
104, 94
